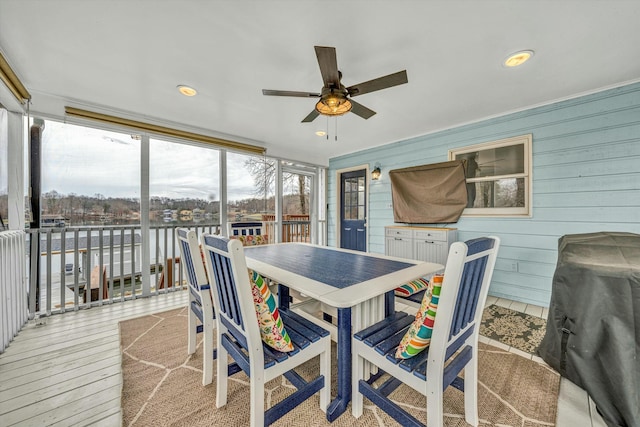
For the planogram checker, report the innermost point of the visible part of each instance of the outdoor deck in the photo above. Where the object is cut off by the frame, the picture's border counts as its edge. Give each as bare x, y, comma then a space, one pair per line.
66, 371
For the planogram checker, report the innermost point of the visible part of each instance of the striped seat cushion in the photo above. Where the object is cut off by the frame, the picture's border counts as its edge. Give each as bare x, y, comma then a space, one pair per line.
411, 287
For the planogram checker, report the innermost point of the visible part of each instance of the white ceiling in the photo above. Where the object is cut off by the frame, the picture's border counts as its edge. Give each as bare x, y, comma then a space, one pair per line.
128, 56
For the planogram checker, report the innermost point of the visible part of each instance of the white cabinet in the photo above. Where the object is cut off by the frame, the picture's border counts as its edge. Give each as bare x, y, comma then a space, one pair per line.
398, 242
419, 243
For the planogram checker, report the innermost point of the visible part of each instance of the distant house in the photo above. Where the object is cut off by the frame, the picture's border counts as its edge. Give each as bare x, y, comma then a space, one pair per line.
57, 221
198, 214
169, 215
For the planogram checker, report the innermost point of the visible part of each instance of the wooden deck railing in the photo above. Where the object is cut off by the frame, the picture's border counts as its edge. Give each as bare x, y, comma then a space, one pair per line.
295, 228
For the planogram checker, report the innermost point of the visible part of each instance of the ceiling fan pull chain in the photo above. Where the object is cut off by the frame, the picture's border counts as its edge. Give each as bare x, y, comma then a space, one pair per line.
336, 133
327, 128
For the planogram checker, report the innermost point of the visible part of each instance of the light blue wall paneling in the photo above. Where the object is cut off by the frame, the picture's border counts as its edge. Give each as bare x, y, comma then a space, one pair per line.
586, 178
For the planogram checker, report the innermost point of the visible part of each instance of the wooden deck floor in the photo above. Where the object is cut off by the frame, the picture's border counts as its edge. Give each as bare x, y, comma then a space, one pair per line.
66, 372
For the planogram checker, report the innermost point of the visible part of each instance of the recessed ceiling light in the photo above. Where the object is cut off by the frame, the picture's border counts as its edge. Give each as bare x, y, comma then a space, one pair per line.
187, 90
321, 133
518, 58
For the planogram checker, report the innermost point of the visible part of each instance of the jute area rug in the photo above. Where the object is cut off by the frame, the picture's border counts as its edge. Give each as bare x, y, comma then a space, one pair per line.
162, 386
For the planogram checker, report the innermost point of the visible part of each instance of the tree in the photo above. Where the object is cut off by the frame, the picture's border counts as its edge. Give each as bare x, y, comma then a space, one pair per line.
85, 203
302, 193
263, 172
71, 203
52, 202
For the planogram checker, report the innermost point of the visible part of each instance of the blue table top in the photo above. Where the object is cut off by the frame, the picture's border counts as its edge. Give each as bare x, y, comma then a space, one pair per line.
325, 265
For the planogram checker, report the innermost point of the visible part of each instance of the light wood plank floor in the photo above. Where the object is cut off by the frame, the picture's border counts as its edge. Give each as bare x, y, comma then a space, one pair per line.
65, 370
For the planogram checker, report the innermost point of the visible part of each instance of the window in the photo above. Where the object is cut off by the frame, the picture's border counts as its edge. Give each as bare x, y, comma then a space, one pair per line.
354, 198
250, 187
297, 202
184, 184
89, 176
499, 177
296, 190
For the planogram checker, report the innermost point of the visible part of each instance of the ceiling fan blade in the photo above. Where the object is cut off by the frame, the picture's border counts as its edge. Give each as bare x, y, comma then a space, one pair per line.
311, 117
361, 110
290, 93
391, 80
328, 65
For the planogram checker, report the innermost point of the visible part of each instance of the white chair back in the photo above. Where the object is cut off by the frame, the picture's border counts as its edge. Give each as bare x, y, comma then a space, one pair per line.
238, 336
453, 347
237, 229
201, 315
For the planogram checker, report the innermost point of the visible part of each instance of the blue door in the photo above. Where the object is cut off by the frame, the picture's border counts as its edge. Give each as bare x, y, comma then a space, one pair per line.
353, 213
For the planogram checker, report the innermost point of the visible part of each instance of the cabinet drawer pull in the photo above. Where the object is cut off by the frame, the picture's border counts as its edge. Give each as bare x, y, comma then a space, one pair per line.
347, 229
426, 241
359, 229
397, 238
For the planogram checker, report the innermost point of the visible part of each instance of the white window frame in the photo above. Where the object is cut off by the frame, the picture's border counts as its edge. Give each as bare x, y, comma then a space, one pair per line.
526, 210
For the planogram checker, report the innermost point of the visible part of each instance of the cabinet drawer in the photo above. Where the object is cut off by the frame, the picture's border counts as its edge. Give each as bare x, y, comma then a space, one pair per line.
431, 235
398, 232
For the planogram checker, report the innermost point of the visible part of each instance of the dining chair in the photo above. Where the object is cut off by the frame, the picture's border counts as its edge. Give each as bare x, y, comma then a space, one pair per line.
453, 347
238, 336
253, 234
201, 314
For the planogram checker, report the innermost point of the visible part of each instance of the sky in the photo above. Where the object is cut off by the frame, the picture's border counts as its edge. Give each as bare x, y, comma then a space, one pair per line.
88, 161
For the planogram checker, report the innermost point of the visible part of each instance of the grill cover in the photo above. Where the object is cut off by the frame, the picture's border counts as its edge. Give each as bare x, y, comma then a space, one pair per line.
593, 330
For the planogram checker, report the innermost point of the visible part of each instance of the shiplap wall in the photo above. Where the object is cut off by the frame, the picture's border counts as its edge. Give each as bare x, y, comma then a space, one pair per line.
586, 178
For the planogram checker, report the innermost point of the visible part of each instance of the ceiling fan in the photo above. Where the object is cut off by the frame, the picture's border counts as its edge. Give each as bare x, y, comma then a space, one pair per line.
335, 99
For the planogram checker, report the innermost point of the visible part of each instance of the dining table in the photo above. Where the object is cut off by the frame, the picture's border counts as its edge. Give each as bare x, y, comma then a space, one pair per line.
358, 285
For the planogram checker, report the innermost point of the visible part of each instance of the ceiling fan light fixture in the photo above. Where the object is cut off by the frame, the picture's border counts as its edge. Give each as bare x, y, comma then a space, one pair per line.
333, 105
518, 58
187, 90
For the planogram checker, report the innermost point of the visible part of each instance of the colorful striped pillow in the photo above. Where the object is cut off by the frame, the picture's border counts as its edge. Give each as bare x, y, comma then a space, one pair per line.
272, 330
418, 336
412, 287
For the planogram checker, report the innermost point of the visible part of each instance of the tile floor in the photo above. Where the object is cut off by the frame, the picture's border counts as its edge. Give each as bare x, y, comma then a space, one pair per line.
575, 408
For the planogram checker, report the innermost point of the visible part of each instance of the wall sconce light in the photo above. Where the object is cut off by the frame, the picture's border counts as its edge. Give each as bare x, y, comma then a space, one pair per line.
375, 173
